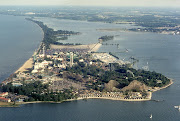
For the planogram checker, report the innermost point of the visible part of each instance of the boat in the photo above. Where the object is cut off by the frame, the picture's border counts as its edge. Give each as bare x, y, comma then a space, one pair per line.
150, 116
118, 46
127, 50
178, 107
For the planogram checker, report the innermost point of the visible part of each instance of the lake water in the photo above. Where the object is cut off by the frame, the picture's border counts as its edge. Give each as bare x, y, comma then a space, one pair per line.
162, 52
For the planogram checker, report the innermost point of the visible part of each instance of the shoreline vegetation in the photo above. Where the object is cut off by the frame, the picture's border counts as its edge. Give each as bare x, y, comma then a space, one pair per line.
160, 88
3, 104
52, 44
51, 36
159, 30
151, 21
105, 38
106, 98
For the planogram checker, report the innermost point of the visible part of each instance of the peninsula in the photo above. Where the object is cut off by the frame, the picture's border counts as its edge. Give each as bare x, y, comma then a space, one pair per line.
58, 72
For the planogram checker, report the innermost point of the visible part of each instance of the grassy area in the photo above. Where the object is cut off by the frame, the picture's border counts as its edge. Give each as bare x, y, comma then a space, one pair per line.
5, 104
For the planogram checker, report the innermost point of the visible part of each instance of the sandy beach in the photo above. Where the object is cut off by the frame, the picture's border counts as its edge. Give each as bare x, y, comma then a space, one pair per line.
26, 65
106, 98
95, 47
120, 99
91, 47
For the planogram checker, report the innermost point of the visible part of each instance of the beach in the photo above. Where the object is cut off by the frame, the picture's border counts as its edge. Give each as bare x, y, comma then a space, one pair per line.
27, 65
91, 47
105, 98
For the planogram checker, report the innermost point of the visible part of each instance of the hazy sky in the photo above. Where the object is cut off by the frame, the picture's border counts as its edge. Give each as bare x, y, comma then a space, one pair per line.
169, 3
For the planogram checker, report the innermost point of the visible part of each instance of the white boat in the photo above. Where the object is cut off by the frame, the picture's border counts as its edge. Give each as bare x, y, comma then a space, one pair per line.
178, 107
150, 116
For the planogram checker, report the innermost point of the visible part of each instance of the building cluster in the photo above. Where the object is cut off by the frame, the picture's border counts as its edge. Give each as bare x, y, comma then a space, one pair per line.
4, 98
107, 58
134, 95
96, 94
49, 67
9, 97
112, 95
164, 30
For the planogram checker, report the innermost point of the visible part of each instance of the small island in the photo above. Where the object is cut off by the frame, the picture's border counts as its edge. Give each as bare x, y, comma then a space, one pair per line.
105, 38
58, 73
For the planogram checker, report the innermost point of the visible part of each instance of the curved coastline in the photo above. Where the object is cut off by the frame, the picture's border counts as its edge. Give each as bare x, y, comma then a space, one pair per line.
160, 88
105, 98
28, 64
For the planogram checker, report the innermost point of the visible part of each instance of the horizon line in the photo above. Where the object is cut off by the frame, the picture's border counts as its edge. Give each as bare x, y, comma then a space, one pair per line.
88, 6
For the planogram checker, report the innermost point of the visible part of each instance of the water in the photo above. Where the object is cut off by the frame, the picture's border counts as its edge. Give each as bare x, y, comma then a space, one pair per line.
92, 110
160, 51
89, 30
18, 40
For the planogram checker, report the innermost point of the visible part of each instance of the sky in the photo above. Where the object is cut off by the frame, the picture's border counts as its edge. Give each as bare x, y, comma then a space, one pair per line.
162, 3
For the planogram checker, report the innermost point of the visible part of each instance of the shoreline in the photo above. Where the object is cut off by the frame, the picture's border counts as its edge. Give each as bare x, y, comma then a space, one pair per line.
28, 64
92, 48
104, 98
166, 86
69, 100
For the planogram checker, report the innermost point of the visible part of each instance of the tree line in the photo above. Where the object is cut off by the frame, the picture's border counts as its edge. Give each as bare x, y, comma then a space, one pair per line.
37, 92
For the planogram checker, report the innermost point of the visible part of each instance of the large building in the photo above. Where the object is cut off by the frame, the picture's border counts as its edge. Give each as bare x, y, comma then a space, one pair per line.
5, 99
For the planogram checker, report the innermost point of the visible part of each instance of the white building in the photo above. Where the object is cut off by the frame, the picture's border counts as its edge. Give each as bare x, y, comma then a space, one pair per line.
41, 65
